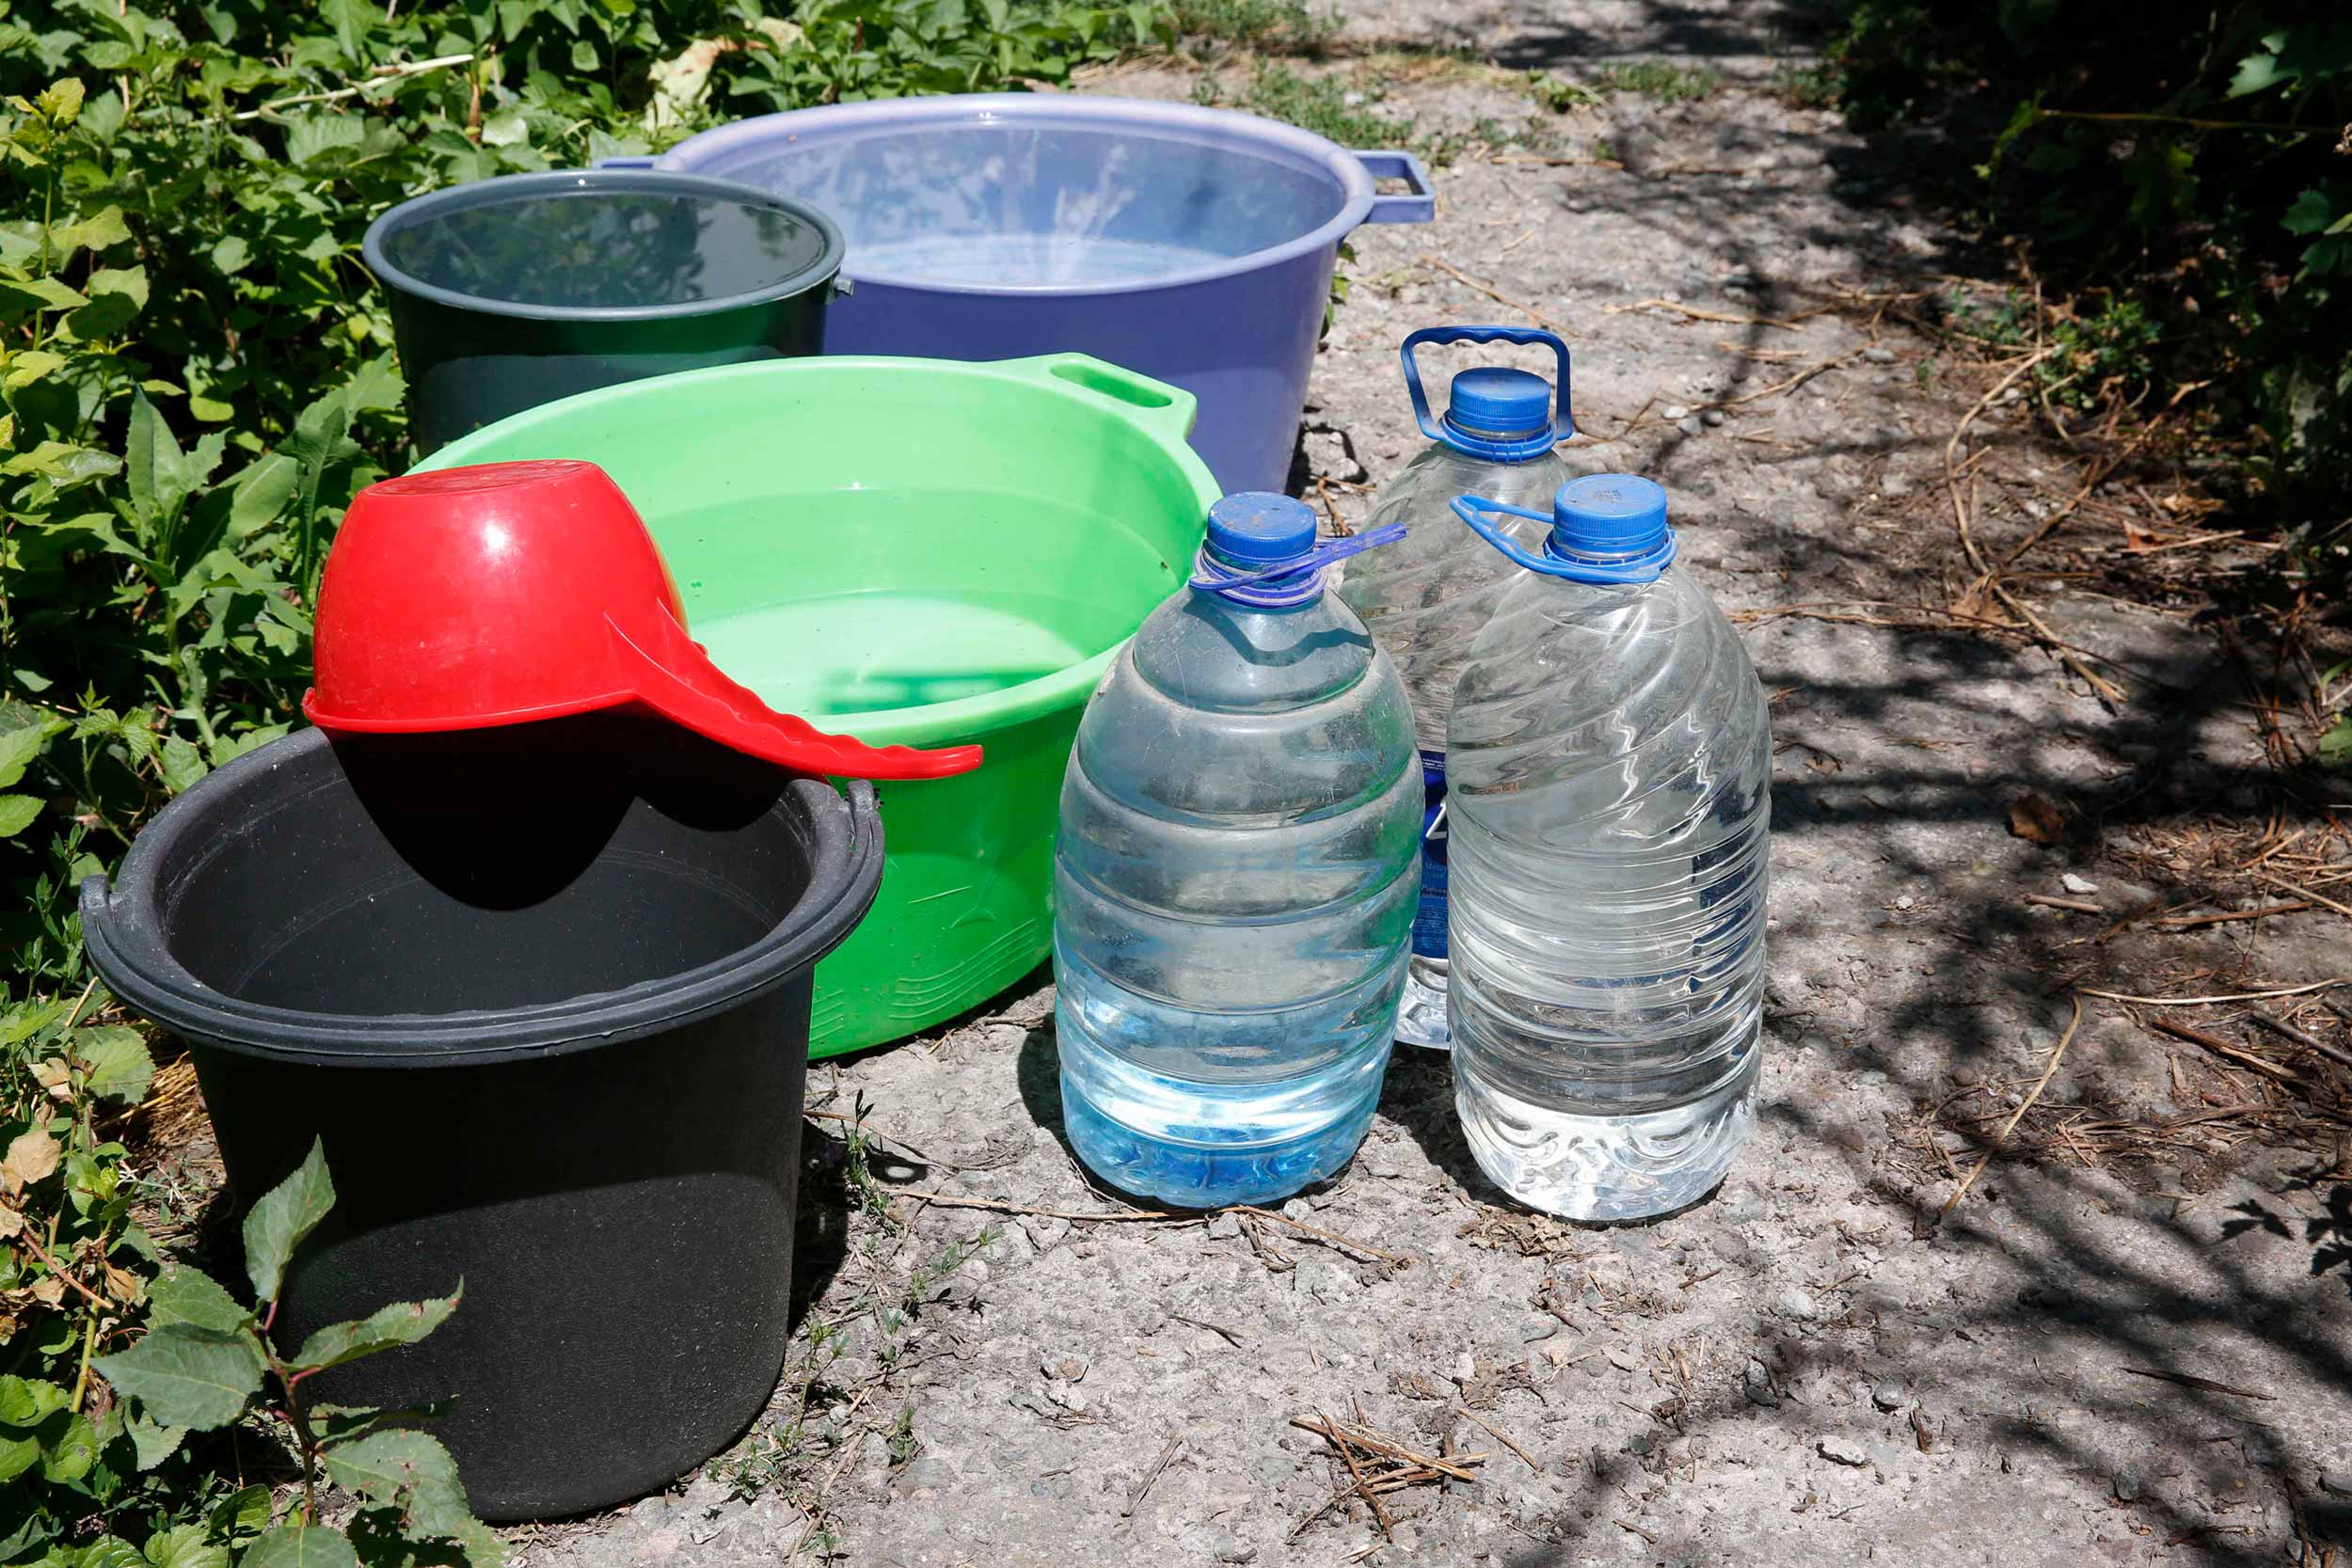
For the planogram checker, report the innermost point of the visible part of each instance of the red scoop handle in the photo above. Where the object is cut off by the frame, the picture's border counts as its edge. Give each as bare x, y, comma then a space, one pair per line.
680, 681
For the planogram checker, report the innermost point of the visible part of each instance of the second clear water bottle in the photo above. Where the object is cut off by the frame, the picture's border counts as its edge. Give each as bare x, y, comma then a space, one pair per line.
1425, 598
1236, 878
1611, 762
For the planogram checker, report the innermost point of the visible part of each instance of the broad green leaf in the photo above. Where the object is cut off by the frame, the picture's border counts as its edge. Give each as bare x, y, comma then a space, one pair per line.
115, 1060
300, 1546
507, 128
152, 1441
109, 1551
2257, 70
406, 1470
27, 366
230, 254
182, 764
2311, 213
242, 1515
261, 492
63, 464
184, 1546
286, 1214
229, 748
17, 813
21, 1023
20, 296
403, 1322
101, 528
349, 19
376, 384
66, 1455
60, 101
18, 748
27, 1401
151, 454
188, 1375
19, 1452
97, 231
115, 295
312, 137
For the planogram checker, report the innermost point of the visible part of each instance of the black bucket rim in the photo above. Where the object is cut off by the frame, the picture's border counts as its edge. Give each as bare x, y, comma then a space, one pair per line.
501, 189
121, 932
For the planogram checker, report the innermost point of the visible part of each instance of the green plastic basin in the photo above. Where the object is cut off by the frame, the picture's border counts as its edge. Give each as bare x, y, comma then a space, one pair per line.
917, 550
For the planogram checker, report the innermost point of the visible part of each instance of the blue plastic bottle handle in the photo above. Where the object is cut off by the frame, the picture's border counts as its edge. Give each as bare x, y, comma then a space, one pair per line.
1646, 567
1562, 425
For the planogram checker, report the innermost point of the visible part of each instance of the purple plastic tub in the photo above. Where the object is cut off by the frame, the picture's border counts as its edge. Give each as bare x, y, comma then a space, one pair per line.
1194, 245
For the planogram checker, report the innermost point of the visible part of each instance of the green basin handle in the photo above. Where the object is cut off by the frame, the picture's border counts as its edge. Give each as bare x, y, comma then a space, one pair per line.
1139, 399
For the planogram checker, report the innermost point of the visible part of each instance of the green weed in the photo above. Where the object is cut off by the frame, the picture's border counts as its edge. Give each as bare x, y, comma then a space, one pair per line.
1270, 26
2102, 356
1560, 95
1317, 104
1660, 79
1818, 85
901, 1440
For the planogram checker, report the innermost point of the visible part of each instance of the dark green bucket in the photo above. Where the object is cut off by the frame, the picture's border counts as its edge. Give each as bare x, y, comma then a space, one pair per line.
507, 294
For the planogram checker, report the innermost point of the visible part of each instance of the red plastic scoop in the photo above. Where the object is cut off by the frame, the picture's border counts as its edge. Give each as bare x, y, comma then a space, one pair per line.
510, 591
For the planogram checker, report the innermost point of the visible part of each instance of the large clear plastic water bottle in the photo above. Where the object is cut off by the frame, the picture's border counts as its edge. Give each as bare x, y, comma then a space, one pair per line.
1609, 760
1236, 878
1425, 599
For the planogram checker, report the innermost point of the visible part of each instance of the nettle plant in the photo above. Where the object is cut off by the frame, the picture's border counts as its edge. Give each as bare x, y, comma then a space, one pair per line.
207, 1361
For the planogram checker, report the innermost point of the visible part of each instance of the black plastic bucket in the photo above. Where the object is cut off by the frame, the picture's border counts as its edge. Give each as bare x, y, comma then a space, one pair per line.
514, 292
544, 993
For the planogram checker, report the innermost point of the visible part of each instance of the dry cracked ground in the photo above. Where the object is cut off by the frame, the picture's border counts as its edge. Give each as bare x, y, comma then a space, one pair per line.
2129, 1341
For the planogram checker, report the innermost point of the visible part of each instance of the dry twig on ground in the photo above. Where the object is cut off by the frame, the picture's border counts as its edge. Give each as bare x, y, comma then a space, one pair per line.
1378, 1465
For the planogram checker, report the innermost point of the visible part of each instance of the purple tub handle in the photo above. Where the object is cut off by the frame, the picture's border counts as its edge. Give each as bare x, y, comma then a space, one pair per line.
1420, 207
645, 161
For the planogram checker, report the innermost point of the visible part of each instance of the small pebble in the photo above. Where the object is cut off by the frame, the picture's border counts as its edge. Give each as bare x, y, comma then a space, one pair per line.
2077, 884
1759, 1385
1690, 426
1905, 901
1538, 1331
1888, 1396
1673, 411
1713, 416
1465, 1367
1841, 1451
1224, 1227
1621, 1360
1878, 355
1794, 1302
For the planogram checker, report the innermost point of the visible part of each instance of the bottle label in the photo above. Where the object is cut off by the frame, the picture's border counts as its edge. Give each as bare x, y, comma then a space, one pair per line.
1429, 921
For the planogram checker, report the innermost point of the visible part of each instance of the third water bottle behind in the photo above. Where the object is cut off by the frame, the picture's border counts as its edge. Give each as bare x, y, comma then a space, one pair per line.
1609, 760
1233, 886
1424, 598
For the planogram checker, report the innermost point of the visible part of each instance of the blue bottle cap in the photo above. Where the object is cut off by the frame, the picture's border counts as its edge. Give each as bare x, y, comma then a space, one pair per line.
1496, 400
1608, 515
1257, 528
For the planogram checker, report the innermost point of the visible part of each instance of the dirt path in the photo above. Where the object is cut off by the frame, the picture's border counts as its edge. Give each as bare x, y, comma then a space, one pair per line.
2131, 1345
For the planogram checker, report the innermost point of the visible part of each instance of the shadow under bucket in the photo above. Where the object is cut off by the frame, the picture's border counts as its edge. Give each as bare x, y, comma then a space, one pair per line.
543, 992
